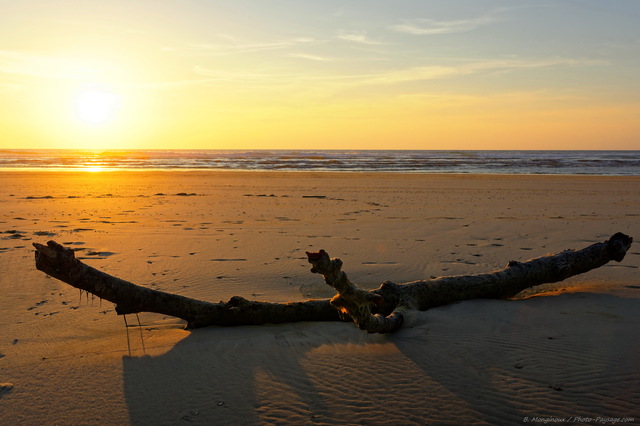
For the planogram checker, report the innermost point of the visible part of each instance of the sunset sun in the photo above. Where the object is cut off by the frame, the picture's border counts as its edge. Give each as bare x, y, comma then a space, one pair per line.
96, 106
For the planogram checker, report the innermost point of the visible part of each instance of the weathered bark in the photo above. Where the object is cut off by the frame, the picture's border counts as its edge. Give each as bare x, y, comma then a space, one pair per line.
376, 311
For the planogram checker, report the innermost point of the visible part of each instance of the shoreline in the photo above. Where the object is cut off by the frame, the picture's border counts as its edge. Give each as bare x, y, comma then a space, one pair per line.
233, 170
417, 161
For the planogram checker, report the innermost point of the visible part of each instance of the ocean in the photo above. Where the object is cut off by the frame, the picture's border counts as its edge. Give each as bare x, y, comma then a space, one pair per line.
490, 162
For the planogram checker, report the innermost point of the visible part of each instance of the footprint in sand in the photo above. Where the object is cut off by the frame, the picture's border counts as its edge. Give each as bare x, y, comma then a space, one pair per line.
94, 254
459, 261
228, 260
42, 302
100, 253
287, 219
13, 234
5, 388
44, 233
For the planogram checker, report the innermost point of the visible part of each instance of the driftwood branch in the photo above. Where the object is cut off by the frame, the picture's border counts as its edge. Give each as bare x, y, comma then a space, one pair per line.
382, 309
377, 311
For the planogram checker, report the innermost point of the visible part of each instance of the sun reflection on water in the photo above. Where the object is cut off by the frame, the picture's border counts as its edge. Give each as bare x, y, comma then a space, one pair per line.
93, 169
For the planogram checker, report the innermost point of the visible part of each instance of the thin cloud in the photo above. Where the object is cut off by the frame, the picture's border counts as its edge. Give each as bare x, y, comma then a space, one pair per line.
50, 67
424, 26
216, 75
359, 37
311, 57
440, 72
208, 49
234, 47
174, 84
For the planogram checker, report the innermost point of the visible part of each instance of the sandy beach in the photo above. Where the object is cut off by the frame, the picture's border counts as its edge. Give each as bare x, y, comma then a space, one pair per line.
561, 351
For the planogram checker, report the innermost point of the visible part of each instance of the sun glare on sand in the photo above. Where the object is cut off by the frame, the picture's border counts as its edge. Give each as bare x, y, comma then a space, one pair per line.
96, 106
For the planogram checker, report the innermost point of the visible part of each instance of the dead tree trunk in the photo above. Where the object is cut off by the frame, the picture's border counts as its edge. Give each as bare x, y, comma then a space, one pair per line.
377, 311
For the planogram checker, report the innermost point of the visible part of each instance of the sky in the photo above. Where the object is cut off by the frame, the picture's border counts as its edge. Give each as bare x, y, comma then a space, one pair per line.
308, 74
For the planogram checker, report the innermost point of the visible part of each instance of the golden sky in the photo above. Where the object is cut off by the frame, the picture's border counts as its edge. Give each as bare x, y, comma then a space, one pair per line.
304, 74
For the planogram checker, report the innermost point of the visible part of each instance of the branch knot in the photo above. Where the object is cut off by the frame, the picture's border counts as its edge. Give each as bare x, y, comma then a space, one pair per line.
350, 299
